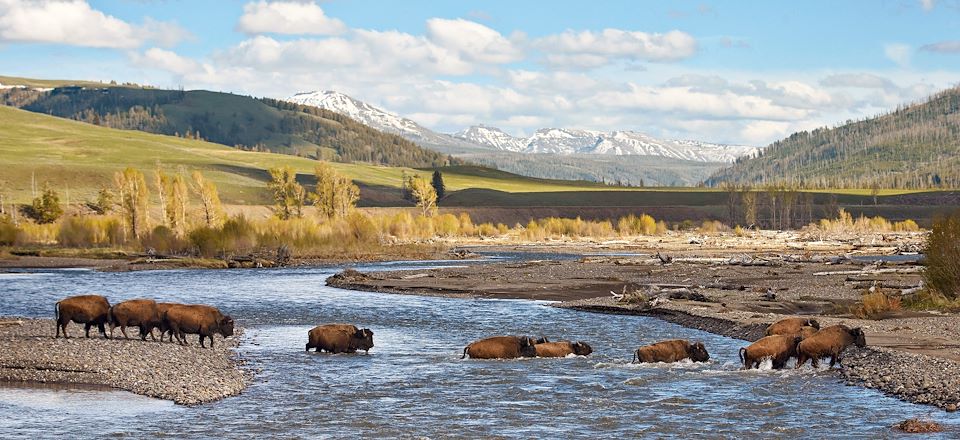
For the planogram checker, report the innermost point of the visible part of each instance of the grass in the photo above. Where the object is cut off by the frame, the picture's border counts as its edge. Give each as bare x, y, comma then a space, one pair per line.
40, 83
876, 305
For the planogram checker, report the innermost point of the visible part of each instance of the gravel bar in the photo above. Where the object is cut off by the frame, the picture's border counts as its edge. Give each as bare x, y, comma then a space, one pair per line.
187, 375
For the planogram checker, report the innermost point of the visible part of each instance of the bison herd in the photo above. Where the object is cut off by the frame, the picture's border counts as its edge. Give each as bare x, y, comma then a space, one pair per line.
799, 338
146, 314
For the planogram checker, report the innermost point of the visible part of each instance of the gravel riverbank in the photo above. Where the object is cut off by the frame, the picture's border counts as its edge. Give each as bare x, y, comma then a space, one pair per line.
187, 375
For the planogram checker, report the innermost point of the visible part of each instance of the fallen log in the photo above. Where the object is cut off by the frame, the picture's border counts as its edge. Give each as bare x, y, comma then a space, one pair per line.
909, 269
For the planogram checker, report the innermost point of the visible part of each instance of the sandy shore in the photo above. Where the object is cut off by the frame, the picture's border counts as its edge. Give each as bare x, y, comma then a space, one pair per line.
187, 375
914, 356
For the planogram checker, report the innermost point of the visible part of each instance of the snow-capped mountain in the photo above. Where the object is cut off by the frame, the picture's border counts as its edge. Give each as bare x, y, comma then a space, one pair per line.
383, 120
572, 141
482, 138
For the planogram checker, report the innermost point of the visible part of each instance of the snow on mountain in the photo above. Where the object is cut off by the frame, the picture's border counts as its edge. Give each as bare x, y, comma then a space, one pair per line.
546, 140
492, 137
572, 141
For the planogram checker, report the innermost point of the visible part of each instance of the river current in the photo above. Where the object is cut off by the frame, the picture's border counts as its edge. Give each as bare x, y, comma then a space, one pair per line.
413, 383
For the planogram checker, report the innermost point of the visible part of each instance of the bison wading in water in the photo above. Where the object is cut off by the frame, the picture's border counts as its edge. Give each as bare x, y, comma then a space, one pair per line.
502, 347
830, 341
791, 326
90, 310
778, 348
671, 351
339, 338
202, 320
562, 349
142, 313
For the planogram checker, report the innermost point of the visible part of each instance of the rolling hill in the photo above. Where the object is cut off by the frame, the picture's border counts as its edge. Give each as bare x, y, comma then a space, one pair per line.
915, 146
233, 120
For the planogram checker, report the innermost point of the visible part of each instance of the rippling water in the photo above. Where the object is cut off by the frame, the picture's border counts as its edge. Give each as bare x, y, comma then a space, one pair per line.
414, 384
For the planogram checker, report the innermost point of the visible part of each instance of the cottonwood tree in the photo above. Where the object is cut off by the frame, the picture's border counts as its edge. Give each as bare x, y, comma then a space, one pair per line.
748, 198
177, 203
335, 195
424, 194
134, 199
288, 195
209, 197
162, 182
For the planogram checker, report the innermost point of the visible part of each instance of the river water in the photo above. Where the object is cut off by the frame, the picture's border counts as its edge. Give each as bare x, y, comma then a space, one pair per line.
413, 382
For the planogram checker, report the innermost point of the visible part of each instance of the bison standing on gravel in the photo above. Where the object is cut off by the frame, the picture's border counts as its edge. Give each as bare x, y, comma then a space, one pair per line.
90, 310
791, 326
202, 320
502, 347
562, 349
830, 341
164, 329
339, 338
142, 313
671, 351
779, 348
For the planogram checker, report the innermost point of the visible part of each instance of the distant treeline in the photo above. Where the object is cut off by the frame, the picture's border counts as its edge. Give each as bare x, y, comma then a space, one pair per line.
233, 120
915, 146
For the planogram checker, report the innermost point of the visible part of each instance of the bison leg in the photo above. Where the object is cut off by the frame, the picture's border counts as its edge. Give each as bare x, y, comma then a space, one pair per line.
815, 361
833, 360
102, 329
201, 341
123, 329
86, 328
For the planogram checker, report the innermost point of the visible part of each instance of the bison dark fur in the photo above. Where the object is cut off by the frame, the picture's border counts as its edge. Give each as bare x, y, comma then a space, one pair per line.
339, 338
778, 348
830, 341
671, 351
202, 320
89, 310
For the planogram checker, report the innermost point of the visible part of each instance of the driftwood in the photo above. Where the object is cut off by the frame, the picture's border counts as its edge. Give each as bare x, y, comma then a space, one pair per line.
866, 271
664, 259
17, 322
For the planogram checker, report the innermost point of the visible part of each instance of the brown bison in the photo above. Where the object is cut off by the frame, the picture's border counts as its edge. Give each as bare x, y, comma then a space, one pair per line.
142, 313
89, 310
671, 351
779, 348
562, 349
339, 338
502, 347
164, 330
830, 341
791, 326
807, 331
202, 320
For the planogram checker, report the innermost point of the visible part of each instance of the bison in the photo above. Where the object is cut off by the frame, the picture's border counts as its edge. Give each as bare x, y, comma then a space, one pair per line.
807, 331
791, 326
90, 310
830, 341
142, 313
161, 309
502, 347
339, 338
562, 349
671, 351
779, 348
202, 320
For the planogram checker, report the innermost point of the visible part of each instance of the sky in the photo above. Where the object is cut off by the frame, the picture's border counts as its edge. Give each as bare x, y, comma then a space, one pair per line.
744, 72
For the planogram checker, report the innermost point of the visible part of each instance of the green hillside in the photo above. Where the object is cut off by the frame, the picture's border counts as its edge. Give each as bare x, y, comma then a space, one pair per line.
917, 146
233, 120
81, 158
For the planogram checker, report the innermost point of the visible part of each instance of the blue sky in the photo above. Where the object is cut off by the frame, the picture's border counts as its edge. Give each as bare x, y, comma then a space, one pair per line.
738, 71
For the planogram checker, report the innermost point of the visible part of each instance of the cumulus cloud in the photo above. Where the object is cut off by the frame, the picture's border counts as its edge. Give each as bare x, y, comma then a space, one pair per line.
157, 58
898, 53
858, 80
75, 23
593, 49
473, 40
943, 47
927, 5
285, 17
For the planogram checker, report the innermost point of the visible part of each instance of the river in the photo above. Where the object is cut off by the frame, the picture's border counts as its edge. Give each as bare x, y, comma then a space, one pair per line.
413, 382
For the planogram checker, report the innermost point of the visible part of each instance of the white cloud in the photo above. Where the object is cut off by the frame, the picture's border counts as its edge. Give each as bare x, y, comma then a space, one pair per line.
473, 41
75, 23
284, 17
592, 49
927, 5
857, 80
943, 47
898, 53
166, 60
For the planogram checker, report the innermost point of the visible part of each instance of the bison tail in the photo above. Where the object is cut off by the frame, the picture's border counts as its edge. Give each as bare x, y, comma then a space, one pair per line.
742, 351
636, 356
464, 352
56, 311
110, 318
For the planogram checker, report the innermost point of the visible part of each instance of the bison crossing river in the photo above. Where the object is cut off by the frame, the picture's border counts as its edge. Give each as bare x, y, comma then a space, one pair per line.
799, 338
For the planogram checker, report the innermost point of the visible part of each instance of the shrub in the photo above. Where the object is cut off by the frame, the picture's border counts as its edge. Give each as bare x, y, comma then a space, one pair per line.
9, 233
90, 231
942, 255
163, 240
205, 241
876, 305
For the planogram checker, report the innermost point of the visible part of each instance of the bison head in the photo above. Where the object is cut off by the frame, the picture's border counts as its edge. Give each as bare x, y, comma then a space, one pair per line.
859, 338
226, 326
698, 353
527, 346
582, 348
363, 339
541, 340
813, 323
